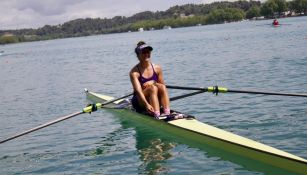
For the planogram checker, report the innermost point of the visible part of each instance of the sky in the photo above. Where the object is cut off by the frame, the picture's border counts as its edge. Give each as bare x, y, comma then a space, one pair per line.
17, 14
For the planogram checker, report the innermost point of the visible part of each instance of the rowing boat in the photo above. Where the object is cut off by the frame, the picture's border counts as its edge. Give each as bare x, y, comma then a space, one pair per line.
202, 133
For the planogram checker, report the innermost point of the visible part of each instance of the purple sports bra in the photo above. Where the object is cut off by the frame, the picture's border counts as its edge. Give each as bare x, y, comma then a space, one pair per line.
143, 80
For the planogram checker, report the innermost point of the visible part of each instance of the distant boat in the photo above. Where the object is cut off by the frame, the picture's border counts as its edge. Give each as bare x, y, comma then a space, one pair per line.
275, 23
141, 29
167, 27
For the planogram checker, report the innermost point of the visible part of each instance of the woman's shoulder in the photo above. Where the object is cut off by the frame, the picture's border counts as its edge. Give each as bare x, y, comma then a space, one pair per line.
134, 70
157, 67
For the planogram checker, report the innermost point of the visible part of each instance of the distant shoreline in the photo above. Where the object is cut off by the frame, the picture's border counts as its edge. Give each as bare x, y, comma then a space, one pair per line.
175, 17
168, 27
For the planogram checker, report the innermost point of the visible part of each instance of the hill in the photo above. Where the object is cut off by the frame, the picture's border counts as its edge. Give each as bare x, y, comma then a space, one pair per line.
176, 16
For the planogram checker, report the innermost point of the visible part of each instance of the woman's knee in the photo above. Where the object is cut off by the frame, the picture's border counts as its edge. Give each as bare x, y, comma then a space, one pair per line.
161, 87
153, 89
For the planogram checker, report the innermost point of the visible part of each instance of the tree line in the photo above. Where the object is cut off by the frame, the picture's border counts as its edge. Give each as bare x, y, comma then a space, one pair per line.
176, 16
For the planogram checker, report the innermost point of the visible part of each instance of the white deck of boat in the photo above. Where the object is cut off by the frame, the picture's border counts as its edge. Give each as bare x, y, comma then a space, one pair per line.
202, 128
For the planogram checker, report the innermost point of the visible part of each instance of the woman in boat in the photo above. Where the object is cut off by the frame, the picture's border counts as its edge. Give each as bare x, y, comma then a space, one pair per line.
150, 92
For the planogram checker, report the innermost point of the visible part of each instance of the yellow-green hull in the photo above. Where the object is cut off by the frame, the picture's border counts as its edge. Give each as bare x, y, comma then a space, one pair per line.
211, 136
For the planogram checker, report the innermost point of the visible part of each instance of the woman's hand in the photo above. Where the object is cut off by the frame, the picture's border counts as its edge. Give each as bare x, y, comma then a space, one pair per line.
148, 83
149, 108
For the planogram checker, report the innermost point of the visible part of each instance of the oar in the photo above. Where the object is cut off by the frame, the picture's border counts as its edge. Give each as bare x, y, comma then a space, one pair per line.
187, 95
84, 110
216, 90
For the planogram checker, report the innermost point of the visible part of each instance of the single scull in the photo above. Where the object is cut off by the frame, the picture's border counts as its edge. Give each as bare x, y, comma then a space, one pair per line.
206, 134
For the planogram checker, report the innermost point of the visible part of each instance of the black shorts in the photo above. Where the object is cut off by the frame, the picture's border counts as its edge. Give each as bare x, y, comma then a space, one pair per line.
136, 105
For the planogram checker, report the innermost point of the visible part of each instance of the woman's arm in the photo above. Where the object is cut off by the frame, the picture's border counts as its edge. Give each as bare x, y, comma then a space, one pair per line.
138, 90
158, 70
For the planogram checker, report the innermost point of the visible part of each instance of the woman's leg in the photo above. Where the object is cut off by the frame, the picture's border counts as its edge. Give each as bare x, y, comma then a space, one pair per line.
163, 96
151, 94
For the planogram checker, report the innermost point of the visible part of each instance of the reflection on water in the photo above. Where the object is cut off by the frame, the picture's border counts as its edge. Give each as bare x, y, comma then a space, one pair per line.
154, 155
155, 147
153, 150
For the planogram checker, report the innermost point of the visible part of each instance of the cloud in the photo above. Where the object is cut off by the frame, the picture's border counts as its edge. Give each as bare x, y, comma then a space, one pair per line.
46, 7
16, 14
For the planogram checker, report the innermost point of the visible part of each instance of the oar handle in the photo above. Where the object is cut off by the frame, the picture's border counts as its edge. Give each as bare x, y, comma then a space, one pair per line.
186, 88
214, 89
186, 95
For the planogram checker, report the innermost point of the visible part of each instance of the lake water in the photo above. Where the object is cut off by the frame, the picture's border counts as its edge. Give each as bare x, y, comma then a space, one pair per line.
41, 81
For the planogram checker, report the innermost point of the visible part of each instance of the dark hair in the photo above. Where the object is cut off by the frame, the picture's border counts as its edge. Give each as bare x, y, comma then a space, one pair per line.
138, 45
